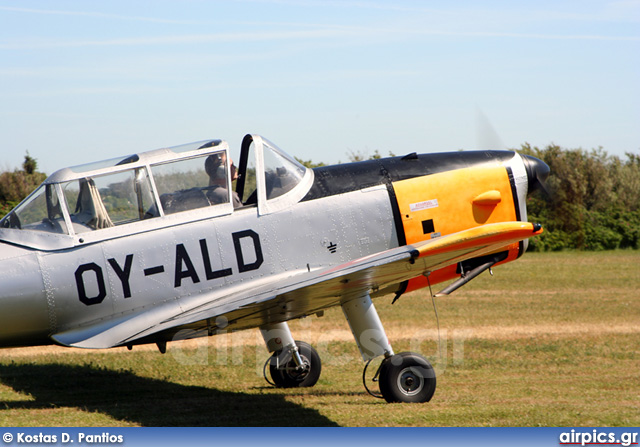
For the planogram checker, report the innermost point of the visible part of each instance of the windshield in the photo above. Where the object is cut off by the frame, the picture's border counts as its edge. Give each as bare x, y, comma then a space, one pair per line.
282, 172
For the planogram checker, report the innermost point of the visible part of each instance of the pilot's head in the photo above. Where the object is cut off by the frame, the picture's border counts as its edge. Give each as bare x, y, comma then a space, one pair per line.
215, 167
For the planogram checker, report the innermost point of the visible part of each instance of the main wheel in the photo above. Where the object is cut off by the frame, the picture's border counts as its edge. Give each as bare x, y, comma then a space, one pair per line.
290, 376
407, 377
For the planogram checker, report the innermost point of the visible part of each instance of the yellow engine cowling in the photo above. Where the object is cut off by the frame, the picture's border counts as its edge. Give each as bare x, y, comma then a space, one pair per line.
439, 204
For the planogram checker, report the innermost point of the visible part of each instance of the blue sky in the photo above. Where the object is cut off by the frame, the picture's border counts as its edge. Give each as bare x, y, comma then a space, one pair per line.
83, 81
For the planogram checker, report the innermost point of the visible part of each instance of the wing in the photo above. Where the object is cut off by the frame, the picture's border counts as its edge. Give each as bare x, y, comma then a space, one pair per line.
297, 295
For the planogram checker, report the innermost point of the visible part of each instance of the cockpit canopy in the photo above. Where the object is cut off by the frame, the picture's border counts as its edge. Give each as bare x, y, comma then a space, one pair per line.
156, 184
115, 192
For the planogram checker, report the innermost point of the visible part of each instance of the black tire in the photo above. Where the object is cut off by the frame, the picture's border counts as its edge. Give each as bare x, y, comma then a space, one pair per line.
289, 376
407, 377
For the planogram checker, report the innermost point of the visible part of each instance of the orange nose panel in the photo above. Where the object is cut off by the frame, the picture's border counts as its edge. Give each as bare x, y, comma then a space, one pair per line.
448, 202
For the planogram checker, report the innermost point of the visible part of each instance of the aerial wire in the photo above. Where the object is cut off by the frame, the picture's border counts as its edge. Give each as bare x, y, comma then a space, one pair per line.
435, 309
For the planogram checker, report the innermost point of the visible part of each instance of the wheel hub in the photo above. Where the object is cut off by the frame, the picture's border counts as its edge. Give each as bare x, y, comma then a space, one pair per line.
409, 382
298, 372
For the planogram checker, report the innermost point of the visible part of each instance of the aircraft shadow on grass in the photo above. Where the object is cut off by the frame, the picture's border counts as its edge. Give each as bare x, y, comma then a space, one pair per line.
125, 396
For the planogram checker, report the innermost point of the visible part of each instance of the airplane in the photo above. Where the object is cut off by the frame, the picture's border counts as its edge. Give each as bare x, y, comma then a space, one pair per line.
158, 246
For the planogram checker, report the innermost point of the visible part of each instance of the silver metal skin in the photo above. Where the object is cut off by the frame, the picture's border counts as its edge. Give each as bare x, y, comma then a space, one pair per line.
25, 298
171, 275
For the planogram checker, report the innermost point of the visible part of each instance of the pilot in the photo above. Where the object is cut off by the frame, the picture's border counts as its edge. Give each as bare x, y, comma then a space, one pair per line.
215, 167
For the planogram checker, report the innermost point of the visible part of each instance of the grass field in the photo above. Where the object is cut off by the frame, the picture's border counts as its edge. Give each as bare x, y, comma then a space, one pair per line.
551, 340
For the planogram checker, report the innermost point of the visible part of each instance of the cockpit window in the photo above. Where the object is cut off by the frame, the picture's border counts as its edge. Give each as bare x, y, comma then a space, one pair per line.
282, 173
109, 200
41, 211
193, 183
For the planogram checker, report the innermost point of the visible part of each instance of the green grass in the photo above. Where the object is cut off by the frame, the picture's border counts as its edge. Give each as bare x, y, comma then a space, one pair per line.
550, 340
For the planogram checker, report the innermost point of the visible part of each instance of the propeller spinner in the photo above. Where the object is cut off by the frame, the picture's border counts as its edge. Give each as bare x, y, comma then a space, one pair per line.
537, 173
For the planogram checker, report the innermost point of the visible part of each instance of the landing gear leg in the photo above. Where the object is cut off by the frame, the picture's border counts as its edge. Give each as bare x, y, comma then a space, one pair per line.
404, 377
293, 363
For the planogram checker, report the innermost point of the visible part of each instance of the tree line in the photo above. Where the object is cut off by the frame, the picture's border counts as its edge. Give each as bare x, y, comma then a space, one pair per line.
593, 200
18, 184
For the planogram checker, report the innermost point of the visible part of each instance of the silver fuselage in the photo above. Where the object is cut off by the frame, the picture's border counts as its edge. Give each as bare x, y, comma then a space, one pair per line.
44, 292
